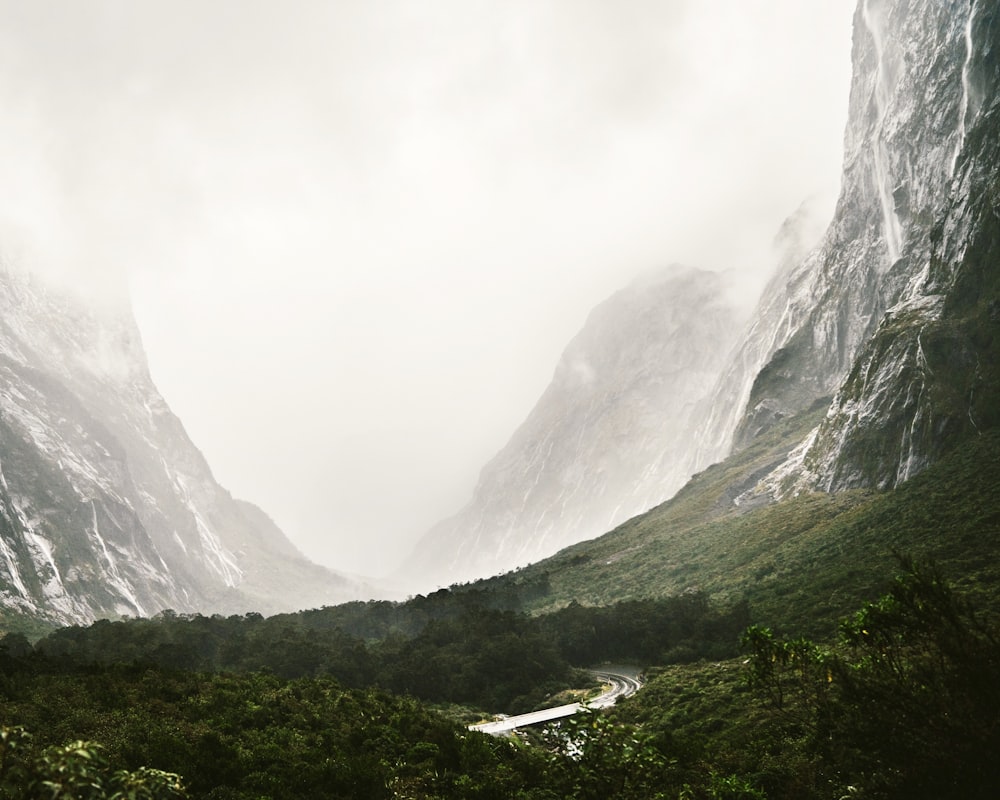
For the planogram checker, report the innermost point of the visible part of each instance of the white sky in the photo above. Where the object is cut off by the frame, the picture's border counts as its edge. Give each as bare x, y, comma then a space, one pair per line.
359, 234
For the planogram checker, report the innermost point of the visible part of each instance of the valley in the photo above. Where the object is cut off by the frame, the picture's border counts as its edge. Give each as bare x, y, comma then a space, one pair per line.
791, 527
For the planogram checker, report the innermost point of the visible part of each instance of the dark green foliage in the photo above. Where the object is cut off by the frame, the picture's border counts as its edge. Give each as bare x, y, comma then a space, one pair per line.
917, 708
256, 735
906, 706
779, 668
471, 655
455, 647
490, 659
663, 631
242, 737
75, 771
594, 758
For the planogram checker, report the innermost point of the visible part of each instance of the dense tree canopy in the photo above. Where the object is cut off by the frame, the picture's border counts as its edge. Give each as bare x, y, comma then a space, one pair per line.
903, 704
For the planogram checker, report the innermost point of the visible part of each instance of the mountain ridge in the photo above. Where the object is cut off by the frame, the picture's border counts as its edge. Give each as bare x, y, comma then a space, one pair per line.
602, 440
106, 506
901, 406
901, 278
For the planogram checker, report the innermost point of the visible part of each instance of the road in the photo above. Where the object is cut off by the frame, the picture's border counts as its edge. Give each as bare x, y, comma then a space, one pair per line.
619, 686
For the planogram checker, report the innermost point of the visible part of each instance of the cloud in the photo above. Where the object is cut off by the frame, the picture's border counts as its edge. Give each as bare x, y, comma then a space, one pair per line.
380, 216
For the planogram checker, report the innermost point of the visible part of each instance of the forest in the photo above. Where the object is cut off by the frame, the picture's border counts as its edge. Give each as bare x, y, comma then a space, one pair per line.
372, 700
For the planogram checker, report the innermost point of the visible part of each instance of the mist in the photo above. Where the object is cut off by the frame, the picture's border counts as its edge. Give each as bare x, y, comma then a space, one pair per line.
357, 235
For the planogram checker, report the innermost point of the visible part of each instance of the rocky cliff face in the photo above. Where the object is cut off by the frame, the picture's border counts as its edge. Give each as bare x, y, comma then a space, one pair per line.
895, 315
106, 507
905, 321
903, 131
785, 303
608, 437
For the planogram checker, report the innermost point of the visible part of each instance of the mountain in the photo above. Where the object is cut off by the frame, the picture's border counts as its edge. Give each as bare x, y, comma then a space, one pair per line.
860, 416
871, 358
889, 323
605, 440
106, 507
910, 109
903, 321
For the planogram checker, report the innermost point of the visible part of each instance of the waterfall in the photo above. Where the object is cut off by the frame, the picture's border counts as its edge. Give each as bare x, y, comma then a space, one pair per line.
963, 109
891, 229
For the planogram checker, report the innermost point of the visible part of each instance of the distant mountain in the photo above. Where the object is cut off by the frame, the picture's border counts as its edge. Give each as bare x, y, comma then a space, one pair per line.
106, 507
608, 437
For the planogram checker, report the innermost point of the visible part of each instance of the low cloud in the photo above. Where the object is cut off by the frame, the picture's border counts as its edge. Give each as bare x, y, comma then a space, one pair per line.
385, 216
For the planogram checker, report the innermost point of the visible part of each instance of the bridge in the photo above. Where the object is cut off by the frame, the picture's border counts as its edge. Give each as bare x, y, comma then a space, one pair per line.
618, 686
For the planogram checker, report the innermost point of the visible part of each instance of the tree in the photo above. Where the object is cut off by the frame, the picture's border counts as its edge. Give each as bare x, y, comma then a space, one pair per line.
594, 758
907, 705
75, 771
918, 700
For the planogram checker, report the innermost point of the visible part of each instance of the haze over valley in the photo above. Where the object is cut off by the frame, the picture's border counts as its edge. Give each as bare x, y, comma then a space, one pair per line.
539, 314
358, 240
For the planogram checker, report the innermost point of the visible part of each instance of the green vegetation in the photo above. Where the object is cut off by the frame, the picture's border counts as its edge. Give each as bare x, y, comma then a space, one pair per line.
449, 647
896, 702
256, 735
75, 770
798, 564
902, 703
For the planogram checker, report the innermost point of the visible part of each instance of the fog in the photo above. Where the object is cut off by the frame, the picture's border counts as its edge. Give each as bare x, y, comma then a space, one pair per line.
357, 235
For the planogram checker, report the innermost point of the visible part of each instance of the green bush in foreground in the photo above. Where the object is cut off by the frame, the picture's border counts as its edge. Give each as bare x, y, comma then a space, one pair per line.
76, 771
906, 705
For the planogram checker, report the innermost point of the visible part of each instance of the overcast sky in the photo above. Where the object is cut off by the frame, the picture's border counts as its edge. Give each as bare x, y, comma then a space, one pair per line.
358, 234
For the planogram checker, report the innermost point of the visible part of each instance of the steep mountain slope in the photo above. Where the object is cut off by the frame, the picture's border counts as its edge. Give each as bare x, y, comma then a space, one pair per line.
783, 304
802, 562
909, 108
106, 507
895, 315
928, 379
605, 440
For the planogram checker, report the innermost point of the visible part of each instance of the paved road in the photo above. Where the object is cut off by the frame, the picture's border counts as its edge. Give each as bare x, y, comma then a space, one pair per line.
620, 686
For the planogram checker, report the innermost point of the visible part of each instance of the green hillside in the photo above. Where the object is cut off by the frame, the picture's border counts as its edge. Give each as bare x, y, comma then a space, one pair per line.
801, 563
244, 707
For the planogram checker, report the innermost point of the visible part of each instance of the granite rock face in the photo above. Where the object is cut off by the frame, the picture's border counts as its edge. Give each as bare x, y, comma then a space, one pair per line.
906, 125
914, 373
892, 319
106, 507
